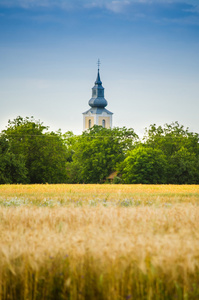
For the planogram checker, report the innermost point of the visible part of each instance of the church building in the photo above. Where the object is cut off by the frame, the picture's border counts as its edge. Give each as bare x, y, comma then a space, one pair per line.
97, 114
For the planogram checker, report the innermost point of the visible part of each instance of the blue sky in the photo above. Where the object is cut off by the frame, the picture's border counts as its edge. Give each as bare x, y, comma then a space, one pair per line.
149, 51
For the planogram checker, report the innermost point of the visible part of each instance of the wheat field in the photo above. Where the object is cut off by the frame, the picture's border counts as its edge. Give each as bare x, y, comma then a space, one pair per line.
99, 242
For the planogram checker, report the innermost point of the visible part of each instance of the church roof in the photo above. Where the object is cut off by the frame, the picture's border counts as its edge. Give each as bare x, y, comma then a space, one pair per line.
98, 80
98, 102
98, 111
98, 99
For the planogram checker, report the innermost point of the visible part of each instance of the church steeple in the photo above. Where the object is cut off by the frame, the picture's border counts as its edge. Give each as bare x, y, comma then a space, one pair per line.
97, 114
98, 99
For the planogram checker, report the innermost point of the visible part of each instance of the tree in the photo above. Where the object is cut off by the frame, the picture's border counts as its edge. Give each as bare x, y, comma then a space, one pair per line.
97, 152
181, 148
184, 167
171, 138
12, 167
144, 165
30, 153
43, 153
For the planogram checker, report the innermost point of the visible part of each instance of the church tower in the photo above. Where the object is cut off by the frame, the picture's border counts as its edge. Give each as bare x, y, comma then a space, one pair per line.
97, 114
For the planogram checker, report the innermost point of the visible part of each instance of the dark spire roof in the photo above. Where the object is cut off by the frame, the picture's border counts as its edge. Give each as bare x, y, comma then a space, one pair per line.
98, 80
98, 99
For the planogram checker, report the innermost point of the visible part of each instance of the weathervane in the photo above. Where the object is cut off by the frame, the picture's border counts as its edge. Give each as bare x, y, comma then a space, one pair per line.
98, 63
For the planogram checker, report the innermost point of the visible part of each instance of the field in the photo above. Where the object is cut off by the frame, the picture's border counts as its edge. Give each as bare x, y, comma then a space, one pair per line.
99, 242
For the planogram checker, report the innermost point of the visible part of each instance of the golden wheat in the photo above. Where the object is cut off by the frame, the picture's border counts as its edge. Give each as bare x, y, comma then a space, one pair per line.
99, 242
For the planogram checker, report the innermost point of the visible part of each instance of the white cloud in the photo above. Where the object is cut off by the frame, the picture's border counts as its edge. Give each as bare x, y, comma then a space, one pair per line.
194, 9
37, 3
119, 6
116, 6
87, 3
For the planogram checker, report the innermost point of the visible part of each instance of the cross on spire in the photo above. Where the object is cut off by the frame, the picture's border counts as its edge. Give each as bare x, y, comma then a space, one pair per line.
98, 63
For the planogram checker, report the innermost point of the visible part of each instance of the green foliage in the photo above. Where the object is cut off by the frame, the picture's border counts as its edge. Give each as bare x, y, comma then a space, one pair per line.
117, 180
12, 166
183, 168
42, 154
144, 165
181, 148
97, 153
171, 138
30, 153
12, 169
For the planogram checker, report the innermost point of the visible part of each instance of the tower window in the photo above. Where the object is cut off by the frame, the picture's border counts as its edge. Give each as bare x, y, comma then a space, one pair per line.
103, 123
89, 123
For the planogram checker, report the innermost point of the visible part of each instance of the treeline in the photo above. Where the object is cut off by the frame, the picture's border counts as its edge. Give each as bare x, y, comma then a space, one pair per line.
30, 153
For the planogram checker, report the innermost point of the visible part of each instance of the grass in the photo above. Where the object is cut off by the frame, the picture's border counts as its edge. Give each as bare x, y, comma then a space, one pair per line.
99, 242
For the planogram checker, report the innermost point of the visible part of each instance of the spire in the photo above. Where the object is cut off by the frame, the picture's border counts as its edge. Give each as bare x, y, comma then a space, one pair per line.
98, 80
98, 99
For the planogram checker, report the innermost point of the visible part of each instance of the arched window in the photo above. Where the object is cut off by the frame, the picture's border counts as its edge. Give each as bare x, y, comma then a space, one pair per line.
89, 123
103, 123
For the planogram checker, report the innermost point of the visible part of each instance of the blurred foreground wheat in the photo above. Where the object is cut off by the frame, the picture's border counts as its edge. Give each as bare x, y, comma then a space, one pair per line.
145, 245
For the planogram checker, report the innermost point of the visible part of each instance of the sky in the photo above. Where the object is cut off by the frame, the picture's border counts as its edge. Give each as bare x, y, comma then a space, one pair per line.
149, 53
